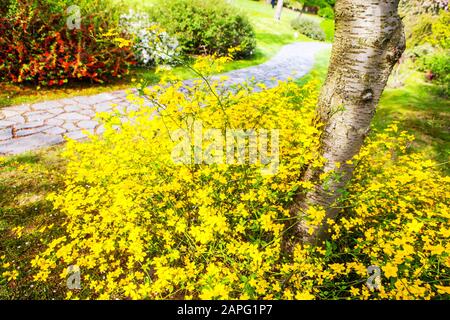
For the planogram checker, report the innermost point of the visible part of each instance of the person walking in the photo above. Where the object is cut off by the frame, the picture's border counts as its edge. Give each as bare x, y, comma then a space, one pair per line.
273, 3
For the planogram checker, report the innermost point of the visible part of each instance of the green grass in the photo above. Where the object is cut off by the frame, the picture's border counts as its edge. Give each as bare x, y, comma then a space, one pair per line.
270, 35
320, 69
25, 181
423, 112
328, 26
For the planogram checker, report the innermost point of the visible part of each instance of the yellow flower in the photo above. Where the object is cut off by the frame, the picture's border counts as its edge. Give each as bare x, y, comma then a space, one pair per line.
11, 275
304, 296
354, 291
18, 231
141, 226
390, 270
414, 226
443, 289
447, 262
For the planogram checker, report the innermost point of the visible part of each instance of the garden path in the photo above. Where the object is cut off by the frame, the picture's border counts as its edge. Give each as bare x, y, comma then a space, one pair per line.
32, 126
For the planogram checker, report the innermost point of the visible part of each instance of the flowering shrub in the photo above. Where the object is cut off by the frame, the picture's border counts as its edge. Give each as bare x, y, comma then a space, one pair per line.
326, 12
308, 27
440, 35
206, 27
139, 226
36, 45
437, 65
396, 216
152, 45
431, 48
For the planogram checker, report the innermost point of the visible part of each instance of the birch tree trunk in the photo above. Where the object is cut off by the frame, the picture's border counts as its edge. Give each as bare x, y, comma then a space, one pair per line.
279, 9
369, 41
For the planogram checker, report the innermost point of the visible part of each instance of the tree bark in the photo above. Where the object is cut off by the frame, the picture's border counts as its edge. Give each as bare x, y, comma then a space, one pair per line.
279, 9
368, 43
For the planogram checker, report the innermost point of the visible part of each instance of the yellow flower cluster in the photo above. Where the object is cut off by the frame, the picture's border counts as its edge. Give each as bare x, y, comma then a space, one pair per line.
140, 226
398, 218
9, 272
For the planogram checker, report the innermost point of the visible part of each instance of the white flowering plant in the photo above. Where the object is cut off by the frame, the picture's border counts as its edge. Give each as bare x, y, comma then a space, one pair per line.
152, 44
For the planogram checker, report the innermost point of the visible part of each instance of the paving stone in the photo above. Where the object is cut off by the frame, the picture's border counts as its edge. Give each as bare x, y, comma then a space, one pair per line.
24, 144
100, 129
76, 135
72, 116
70, 126
102, 97
120, 109
68, 101
29, 125
38, 116
103, 107
20, 108
55, 131
73, 108
27, 132
119, 101
88, 112
132, 107
56, 111
91, 100
6, 123
87, 124
121, 94
9, 113
87, 100
48, 105
5, 134
16, 119
54, 122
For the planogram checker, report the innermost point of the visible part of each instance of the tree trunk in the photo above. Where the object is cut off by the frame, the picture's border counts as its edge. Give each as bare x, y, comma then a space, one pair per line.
279, 9
369, 41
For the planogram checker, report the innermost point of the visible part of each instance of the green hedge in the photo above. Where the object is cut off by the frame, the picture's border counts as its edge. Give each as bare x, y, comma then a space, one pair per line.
309, 28
206, 27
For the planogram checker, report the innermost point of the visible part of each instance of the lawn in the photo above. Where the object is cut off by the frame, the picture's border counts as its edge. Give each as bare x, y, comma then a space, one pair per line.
25, 181
422, 111
270, 35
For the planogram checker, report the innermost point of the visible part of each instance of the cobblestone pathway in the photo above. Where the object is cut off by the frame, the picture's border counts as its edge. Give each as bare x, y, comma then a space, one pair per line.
32, 126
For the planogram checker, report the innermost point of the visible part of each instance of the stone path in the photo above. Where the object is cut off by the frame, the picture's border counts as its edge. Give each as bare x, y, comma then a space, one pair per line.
31, 126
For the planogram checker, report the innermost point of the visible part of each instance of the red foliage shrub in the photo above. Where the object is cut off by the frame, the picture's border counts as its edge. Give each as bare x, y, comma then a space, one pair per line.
36, 46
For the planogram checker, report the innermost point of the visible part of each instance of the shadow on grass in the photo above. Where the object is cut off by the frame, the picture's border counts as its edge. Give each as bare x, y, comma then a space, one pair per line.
25, 181
421, 111
276, 39
20, 159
